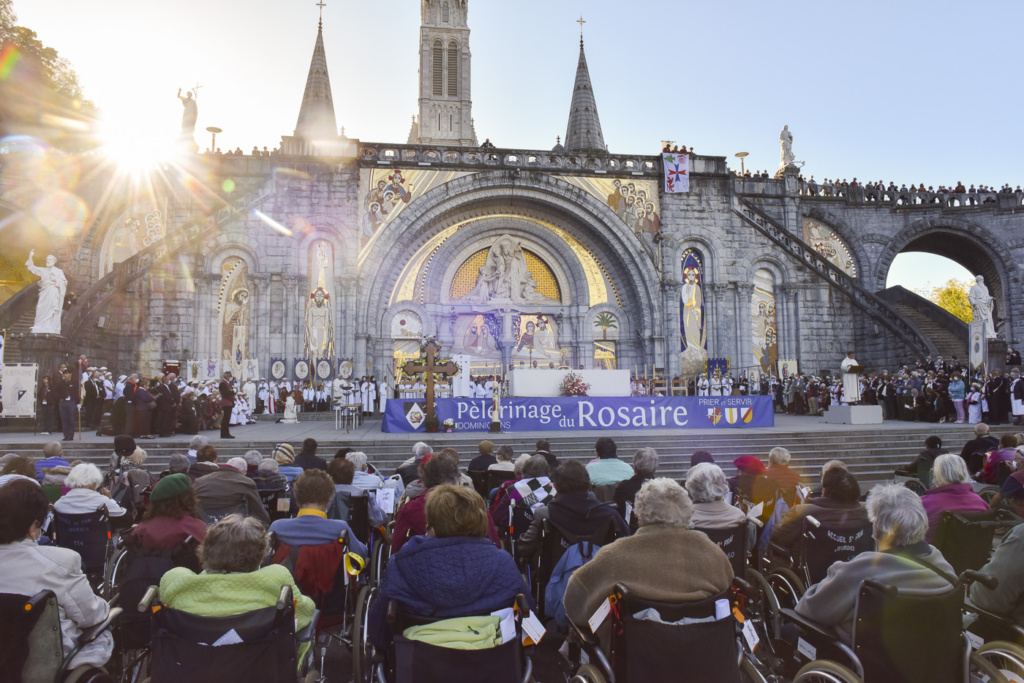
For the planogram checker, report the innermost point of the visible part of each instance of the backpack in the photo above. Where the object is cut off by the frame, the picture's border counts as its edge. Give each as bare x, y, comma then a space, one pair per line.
575, 556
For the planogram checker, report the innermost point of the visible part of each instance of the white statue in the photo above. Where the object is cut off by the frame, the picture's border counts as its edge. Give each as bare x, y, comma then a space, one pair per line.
506, 277
981, 304
52, 288
786, 138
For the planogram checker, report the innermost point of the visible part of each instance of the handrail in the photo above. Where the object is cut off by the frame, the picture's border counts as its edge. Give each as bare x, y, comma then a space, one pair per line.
836, 277
138, 264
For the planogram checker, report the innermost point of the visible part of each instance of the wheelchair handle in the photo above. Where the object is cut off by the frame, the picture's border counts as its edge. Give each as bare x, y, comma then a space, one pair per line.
147, 599
283, 599
970, 576
813, 522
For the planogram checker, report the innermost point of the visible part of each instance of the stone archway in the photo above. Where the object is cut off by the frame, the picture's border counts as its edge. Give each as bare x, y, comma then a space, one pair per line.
970, 245
544, 199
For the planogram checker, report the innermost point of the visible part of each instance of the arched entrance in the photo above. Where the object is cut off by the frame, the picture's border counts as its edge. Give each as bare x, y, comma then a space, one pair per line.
588, 256
969, 245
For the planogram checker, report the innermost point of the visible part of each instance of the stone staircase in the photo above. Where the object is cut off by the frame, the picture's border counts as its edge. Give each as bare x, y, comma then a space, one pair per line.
871, 454
946, 342
16, 335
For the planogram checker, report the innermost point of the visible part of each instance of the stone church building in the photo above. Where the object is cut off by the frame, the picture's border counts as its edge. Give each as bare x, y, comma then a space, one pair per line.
339, 255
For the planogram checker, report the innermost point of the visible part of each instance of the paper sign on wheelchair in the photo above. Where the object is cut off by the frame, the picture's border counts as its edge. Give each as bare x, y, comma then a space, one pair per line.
600, 615
386, 500
229, 638
507, 623
629, 512
750, 635
806, 649
284, 504
533, 629
755, 512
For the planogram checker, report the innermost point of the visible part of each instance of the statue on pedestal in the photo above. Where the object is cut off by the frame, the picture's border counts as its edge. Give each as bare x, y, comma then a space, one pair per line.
786, 139
52, 288
190, 113
982, 304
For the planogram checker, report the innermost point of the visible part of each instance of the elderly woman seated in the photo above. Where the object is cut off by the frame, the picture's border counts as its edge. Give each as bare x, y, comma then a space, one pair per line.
171, 518
953, 491
839, 505
29, 568
452, 571
232, 581
707, 486
903, 559
85, 496
645, 466
699, 567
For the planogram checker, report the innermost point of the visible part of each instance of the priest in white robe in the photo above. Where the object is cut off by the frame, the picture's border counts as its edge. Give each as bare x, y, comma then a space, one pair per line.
851, 380
367, 399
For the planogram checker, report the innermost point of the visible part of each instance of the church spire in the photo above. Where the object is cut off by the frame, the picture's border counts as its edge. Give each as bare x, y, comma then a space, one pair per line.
583, 133
316, 116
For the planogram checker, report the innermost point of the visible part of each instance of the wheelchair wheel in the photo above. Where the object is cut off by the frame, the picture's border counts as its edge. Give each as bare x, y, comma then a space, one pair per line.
588, 673
1005, 656
916, 486
113, 573
381, 553
984, 671
824, 671
768, 609
362, 651
749, 672
787, 585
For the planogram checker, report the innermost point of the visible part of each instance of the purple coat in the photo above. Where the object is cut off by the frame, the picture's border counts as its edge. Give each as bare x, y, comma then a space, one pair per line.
954, 497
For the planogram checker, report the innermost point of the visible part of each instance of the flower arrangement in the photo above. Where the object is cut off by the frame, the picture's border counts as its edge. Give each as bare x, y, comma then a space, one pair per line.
449, 425
573, 385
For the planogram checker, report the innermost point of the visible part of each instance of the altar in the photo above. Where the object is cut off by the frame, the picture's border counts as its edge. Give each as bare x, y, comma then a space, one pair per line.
547, 383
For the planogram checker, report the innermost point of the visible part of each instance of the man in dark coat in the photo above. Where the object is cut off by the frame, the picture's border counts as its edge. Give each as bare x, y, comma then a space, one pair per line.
164, 408
227, 402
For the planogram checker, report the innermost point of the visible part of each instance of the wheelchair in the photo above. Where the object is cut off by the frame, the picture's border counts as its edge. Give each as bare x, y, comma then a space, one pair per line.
408, 660
900, 636
260, 646
212, 515
130, 573
965, 538
760, 604
658, 641
996, 639
819, 548
553, 544
31, 646
90, 535
325, 574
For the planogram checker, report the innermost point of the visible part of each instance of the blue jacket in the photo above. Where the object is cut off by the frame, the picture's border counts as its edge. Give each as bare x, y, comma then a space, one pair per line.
446, 577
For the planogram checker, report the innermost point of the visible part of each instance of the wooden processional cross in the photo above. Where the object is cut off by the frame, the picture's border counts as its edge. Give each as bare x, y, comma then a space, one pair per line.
431, 368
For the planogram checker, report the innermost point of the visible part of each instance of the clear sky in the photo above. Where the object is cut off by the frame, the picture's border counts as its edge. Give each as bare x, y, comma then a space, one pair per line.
913, 91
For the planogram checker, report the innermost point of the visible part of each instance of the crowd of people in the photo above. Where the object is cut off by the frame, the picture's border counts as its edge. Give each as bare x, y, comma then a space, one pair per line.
458, 550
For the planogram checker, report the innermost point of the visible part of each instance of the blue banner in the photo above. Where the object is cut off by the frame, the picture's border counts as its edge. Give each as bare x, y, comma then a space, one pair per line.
562, 414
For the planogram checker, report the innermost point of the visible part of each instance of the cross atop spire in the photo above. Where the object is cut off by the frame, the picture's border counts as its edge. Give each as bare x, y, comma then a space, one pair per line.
581, 21
321, 5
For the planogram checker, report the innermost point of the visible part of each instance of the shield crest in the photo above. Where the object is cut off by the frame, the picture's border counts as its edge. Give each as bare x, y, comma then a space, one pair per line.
731, 415
415, 414
715, 415
747, 415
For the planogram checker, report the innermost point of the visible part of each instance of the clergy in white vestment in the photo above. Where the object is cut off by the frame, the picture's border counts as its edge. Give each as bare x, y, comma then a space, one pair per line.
291, 411
716, 385
851, 380
367, 400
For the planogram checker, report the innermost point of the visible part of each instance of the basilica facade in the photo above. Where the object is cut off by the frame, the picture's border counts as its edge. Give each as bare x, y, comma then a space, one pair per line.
338, 256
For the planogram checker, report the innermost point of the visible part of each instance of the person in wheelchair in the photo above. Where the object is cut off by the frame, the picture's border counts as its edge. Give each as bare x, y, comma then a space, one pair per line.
534, 471
707, 486
227, 487
1007, 598
342, 472
85, 496
903, 559
171, 517
232, 581
952, 491
1007, 452
665, 560
839, 505
778, 477
29, 568
574, 509
437, 469
921, 466
452, 571
314, 491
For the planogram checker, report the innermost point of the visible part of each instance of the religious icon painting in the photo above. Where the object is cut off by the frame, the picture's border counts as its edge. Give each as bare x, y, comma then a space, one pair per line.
324, 370
210, 370
691, 305
536, 339
278, 369
302, 370
764, 321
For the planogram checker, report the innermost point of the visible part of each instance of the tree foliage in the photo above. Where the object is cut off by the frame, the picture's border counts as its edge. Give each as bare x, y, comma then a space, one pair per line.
39, 89
952, 297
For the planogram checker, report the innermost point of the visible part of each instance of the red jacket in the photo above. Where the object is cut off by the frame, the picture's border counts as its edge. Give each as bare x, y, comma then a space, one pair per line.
412, 521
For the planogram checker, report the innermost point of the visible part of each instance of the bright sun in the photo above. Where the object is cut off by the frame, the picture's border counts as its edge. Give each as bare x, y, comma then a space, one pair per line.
135, 149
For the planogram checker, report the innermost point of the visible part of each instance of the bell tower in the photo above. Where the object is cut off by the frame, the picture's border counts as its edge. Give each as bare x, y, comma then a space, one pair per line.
445, 107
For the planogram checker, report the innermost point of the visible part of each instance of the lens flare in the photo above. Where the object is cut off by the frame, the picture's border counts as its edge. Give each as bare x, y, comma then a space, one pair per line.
9, 58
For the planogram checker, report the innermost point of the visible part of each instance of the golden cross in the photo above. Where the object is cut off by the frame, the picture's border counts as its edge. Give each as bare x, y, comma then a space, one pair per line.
321, 5
581, 21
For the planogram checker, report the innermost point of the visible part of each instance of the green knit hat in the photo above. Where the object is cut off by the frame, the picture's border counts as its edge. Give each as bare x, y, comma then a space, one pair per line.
170, 486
